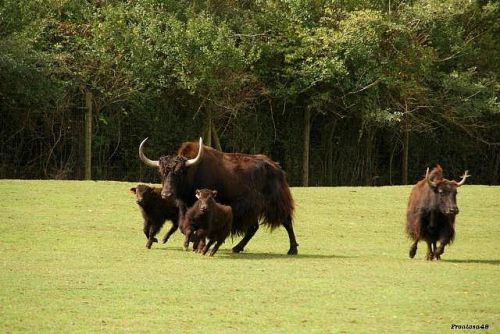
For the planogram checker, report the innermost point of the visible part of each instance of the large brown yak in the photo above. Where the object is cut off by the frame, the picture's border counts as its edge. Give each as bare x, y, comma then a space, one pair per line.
431, 212
253, 185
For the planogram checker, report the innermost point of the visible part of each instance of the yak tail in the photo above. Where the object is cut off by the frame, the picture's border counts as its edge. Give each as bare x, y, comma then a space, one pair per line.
279, 205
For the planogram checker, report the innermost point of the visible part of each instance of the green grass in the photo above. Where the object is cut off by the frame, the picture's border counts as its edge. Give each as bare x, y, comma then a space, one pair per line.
72, 259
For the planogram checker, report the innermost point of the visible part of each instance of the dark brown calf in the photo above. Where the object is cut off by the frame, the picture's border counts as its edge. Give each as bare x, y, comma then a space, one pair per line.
155, 211
431, 212
208, 219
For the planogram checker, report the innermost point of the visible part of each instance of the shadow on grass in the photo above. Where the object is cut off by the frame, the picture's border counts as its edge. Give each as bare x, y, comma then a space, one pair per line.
170, 248
268, 256
228, 254
493, 262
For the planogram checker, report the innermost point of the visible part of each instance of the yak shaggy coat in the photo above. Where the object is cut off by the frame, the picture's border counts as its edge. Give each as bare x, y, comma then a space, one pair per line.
208, 219
253, 185
155, 210
431, 212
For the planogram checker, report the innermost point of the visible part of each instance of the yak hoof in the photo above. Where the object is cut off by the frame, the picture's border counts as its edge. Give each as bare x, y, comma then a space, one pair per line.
293, 250
237, 249
429, 257
412, 252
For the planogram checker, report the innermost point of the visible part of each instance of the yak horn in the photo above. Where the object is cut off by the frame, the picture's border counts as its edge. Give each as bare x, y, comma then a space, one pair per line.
148, 162
464, 177
431, 183
196, 160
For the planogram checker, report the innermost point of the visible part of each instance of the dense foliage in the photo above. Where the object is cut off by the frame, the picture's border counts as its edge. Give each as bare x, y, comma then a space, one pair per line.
387, 87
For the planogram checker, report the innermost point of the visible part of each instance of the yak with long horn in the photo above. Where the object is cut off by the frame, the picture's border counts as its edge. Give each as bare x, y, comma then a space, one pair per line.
431, 212
253, 185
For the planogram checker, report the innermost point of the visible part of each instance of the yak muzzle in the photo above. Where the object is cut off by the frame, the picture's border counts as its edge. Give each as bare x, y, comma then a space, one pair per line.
452, 212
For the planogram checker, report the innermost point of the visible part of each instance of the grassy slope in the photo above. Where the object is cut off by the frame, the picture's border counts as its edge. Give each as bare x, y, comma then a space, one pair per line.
72, 259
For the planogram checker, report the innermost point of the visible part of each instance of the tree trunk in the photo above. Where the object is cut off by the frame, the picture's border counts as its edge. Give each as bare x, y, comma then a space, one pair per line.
215, 137
307, 138
494, 175
208, 130
211, 135
329, 159
88, 136
390, 163
406, 142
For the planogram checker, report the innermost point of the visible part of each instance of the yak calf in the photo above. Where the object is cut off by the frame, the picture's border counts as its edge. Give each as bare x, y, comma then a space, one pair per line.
155, 211
431, 212
208, 219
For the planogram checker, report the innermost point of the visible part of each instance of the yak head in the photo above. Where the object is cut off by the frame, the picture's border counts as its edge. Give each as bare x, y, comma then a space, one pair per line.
444, 191
143, 193
173, 170
206, 199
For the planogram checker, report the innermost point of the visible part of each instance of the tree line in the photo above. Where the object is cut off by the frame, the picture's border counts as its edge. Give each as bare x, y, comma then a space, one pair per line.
340, 92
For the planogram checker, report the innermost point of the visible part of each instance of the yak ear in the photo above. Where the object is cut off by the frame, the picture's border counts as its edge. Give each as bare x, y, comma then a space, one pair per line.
214, 193
198, 193
133, 190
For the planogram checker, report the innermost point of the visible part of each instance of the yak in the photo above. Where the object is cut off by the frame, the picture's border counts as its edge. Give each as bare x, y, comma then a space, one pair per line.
208, 219
254, 186
155, 211
432, 208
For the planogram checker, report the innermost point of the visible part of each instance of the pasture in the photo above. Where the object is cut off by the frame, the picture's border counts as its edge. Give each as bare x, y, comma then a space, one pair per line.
72, 259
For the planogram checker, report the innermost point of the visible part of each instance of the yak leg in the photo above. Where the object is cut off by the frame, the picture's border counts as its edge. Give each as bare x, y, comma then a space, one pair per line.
248, 235
182, 211
188, 231
147, 227
430, 254
440, 250
216, 247
208, 245
291, 236
199, 243
153, 229
413, 249
174, 227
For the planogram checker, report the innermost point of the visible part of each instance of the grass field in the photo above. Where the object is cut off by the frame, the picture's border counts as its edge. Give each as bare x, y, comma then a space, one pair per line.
72, 259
